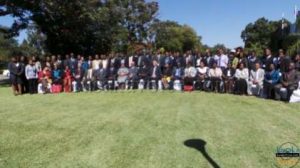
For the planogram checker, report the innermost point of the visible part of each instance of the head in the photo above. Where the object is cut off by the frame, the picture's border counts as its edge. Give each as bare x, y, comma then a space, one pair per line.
215, 65
55, 66
291, 66
241, 66
268, 52
123, 65
30, 62
132, 64
281, 53
202, 64
257, 66
14, 59
272, 67
253, 54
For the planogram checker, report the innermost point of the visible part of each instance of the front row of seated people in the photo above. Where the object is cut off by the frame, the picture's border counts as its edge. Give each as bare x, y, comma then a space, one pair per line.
240, 81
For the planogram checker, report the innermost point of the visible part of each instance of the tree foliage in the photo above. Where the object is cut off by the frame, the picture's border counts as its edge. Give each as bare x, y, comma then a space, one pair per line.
175, 37
83, 26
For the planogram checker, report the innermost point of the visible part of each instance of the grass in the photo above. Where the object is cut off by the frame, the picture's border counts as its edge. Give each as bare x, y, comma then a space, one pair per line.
142, 129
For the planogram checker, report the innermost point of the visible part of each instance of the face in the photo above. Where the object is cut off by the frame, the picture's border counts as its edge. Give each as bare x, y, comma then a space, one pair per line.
268, 52
272, 67
242, 66
291, 66
201, 64
257, 66
215, 65
154, 63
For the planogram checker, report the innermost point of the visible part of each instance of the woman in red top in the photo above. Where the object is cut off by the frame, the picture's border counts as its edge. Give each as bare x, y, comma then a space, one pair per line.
67, 80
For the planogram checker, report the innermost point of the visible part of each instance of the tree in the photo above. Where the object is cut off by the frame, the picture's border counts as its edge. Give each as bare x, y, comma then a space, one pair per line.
174, 37
267, 34
83, 26
8, 46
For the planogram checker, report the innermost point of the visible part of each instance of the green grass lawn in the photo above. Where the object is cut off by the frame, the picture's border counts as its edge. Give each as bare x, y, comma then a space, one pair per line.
143, 129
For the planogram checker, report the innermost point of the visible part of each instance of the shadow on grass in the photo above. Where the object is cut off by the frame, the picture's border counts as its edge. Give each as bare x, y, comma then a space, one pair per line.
199, 145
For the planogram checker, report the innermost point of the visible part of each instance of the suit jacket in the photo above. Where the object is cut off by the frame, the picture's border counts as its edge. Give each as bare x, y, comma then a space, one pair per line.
258, 75
292, 77
181, 73
157, 72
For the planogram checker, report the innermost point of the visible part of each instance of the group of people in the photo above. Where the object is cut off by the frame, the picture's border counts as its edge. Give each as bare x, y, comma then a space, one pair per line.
234, 71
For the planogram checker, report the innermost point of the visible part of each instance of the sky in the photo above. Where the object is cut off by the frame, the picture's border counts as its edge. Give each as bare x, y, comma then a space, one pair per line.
216, 21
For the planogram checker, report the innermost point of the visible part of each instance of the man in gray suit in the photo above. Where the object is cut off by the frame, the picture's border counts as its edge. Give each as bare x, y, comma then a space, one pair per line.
255, 83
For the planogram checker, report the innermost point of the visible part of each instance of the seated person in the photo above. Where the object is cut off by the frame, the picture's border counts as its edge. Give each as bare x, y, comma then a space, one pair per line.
241, 82
133, 76
45, 81
295, 98
67, 79
123, 73
88, 79
155, 75
56, 75
255, 84
228, 78
166, 77
288, 81
178, 76
215, 76
111, 77
78, 78
271, 79
190, 74
100, 77
144, 74
202, 75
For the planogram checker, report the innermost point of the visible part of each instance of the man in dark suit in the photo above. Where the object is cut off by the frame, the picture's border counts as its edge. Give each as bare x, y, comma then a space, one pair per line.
289, 80
283, 62
268, 59
155, 75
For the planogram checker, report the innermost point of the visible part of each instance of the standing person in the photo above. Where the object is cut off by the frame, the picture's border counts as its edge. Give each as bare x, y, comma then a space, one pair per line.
253, 60
223, 62
209, 60
268, 60
96, 62
15, 79
22, 64
242, 76
31, 74
283, 62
